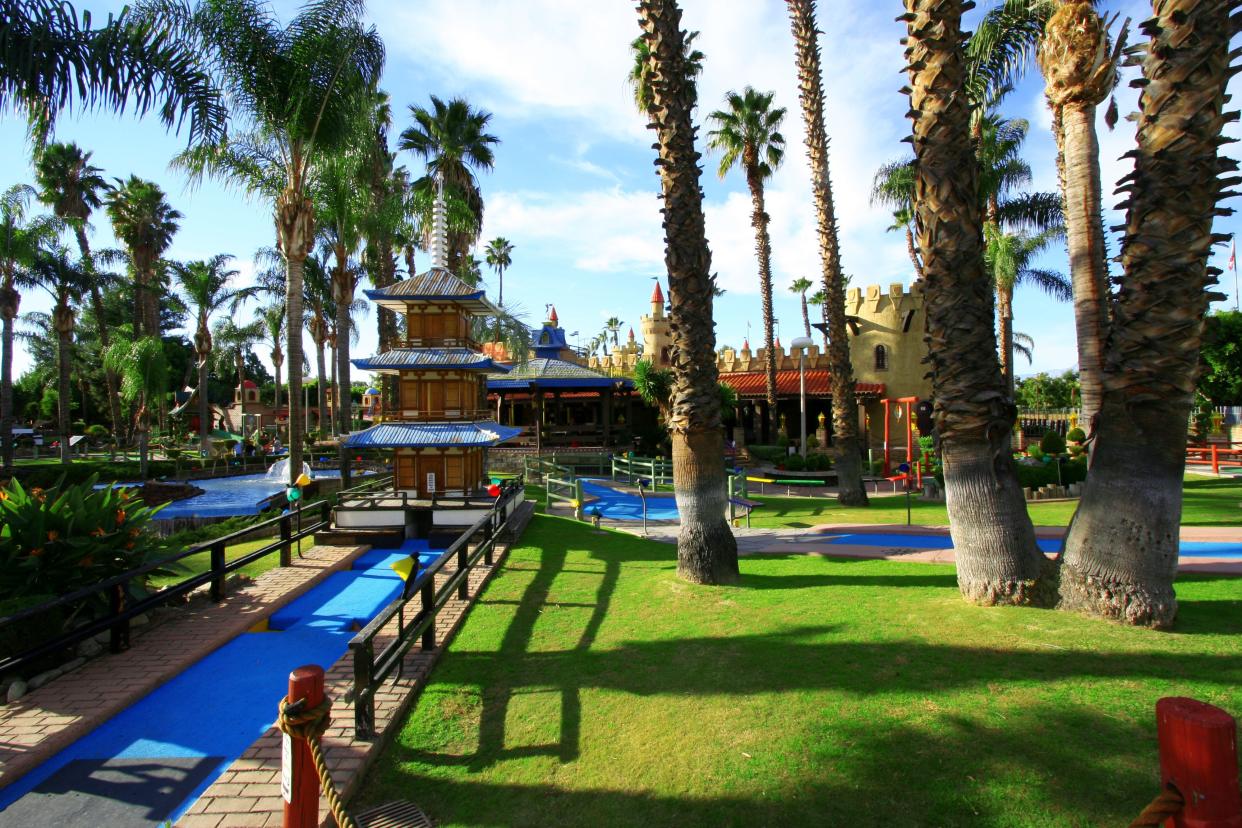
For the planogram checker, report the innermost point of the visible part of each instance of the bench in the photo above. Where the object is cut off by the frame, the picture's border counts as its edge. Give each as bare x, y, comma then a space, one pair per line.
748, 505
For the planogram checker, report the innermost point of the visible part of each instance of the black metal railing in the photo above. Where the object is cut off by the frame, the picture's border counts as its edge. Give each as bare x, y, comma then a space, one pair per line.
371, 666
123, 603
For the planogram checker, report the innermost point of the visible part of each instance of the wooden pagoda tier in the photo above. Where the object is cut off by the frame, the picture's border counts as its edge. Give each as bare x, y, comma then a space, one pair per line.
440, 429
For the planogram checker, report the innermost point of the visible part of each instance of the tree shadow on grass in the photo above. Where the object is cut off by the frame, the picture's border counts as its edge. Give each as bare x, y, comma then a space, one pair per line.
963, 772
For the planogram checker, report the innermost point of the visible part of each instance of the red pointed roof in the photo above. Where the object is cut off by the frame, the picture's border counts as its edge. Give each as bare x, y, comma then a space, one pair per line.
657, 295
778, 343
631, 333
552, 317
746, 344
249, 384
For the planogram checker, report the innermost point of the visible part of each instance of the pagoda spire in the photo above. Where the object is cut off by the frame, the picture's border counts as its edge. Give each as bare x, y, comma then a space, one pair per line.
439, 226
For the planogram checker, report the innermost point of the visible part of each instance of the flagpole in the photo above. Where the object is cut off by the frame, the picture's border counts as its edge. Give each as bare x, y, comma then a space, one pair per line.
1233, 258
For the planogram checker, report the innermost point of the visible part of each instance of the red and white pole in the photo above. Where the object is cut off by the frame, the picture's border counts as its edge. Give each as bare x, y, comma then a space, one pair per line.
299, 782
1199, 757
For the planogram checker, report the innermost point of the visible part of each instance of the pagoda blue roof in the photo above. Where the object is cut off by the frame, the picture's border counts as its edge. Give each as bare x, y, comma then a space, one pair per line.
437, 285
431, 435
399, 359
546, 372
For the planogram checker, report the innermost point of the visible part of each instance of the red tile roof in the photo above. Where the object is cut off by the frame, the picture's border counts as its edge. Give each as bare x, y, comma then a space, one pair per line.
657, 295
752, 384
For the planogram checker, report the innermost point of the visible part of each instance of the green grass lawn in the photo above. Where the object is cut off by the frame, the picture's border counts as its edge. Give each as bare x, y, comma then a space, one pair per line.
202, 561
592, 687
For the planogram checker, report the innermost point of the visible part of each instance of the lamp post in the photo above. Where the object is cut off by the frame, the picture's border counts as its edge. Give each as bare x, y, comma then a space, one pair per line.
800, 345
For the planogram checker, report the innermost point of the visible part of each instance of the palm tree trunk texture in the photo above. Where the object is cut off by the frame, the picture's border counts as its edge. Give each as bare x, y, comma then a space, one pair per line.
851, 491
110, 377
1121, 552
763, 251
241, 390
706, 548
806, 317
295, 222
1004, 300
321, 389
62, 319
144, 438
994, 541
344, 296
9, 304
913, 251
333, 410
204, 409
1085, 240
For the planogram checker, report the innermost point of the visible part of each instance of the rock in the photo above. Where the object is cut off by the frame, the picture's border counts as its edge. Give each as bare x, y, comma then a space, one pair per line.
90, 648
140, 620
16, 690
43, 678
155, 492
71, 666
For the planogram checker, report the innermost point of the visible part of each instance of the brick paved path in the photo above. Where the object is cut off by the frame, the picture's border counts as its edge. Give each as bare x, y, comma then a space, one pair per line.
46, 720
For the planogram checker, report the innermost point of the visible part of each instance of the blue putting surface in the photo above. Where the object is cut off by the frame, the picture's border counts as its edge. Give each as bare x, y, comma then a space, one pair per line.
617, 505
912, 541
153, 759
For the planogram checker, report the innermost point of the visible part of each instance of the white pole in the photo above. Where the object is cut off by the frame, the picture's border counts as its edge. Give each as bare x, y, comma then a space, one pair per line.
802, 393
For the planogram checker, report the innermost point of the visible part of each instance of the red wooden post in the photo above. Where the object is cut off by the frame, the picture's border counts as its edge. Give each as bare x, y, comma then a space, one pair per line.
1199, 756
1215, 460
299, 783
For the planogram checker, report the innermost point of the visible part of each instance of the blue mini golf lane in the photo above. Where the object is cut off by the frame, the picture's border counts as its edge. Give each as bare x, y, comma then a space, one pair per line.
618, 505
151, 761
904, 541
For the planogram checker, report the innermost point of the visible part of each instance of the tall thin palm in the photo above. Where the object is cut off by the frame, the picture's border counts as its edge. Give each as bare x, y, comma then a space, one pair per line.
499, 257
452, 139
234, 342
298, 89
74, 188
205, 286
272, 318
893, 187
145, 223
613, 326
22, 239
706, 548
143, 368
747, 135
818, 299
800, 286
639, 77
1010, 259
65, 279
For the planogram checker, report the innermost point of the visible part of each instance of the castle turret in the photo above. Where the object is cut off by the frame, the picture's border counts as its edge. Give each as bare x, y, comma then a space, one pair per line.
657, 336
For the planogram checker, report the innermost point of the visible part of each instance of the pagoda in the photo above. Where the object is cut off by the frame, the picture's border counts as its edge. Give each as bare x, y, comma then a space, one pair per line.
441, 427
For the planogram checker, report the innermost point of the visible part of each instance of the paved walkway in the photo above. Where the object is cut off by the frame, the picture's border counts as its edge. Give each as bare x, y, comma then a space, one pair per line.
816, 540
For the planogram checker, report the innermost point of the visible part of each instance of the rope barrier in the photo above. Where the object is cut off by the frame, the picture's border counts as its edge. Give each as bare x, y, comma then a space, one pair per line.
1167, 804
310, 724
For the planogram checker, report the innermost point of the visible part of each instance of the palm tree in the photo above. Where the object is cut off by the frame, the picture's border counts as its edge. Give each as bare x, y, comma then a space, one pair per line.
706, 548
51, 61
320, 311
893, 187
387, 222
299, 87
145, 223
499, 256
235, 341
1121, 553
143, 368
206, 288
639, 77
747, 134
850, 488
1008, 257
22, 240
452, 139
818, 298
997, 558
72, 186
272, 318
613, 326
1079, 73
800, 286
65, 280
1024, 345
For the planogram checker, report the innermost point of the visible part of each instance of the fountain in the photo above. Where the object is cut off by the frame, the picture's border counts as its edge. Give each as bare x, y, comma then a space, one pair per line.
280, 470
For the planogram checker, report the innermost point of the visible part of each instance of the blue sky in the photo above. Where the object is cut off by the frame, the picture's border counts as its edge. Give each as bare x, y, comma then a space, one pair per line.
574, 188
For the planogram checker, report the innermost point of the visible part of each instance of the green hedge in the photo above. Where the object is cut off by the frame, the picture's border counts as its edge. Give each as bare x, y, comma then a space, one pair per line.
1032, 477
79, 471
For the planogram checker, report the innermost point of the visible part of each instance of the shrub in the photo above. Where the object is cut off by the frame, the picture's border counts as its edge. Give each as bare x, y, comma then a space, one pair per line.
77, 427
22, 636
782, 440
97, 433
1044, 474
795, 463
1035, 452
82, 470
60, 539
771, 454
877, 467
1052, 443
811, 442
1076, 435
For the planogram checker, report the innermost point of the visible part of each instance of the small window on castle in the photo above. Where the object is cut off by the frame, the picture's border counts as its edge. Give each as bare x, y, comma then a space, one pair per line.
881, 358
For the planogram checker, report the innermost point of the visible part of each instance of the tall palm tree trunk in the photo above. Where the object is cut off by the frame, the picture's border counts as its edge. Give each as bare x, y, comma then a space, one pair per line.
110, 377
763, 251
295, 222
1004, 301
204, 410
851, 491
994, 541
10, 302
1078, 76
806, 317
344, 297
334, 409
706, 548
241, 389
62, 319
913, 252
322, 391
1121, 552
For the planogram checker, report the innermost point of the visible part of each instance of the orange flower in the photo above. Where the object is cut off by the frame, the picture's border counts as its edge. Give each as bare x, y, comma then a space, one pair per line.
120, 516
98, 532
53, 535
133, 533
4, 495
35, 553
129, 545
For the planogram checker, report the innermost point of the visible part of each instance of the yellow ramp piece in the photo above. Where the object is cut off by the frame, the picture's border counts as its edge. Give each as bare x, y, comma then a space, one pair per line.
404, 567
260, 627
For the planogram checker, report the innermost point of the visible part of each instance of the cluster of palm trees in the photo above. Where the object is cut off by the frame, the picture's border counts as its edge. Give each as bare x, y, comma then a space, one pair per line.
305, 128
971, 238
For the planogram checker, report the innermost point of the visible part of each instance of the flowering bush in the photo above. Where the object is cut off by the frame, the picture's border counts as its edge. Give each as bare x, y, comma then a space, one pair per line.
63, 538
